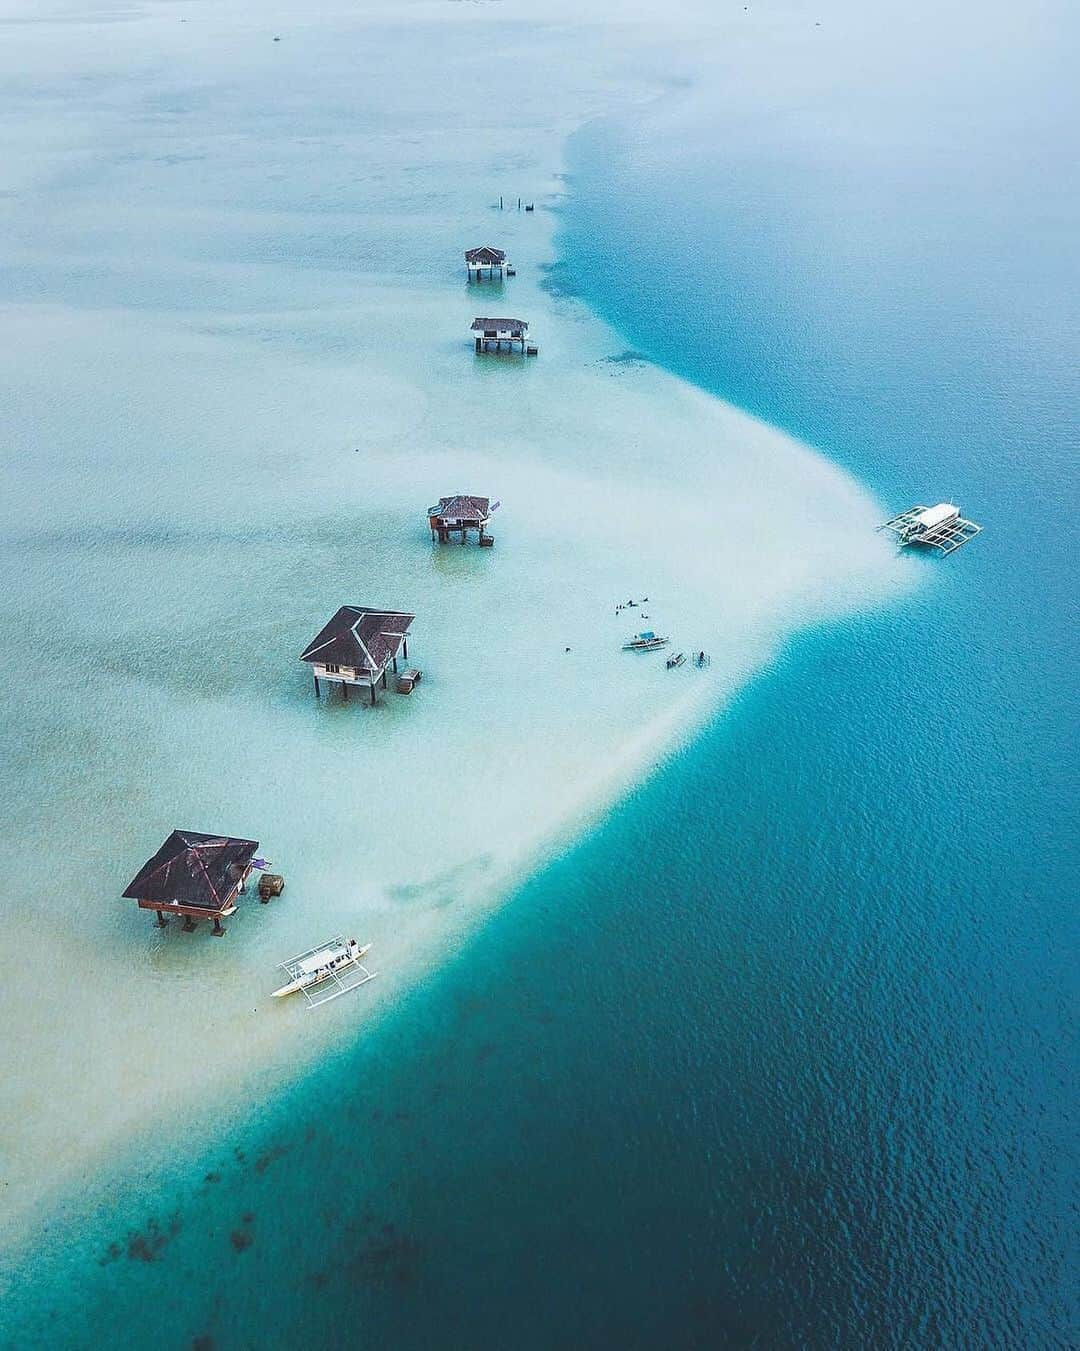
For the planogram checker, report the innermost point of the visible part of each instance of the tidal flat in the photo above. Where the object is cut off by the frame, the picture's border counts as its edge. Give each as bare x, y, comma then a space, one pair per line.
238, 371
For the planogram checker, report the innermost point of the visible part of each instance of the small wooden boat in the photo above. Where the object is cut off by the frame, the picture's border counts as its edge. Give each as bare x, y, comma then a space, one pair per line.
324, 972
646, 641
676, 660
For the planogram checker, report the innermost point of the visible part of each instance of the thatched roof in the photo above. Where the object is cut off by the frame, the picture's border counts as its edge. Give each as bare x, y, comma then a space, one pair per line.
462, 508
485, 254
504, 324
360, 636
193, 869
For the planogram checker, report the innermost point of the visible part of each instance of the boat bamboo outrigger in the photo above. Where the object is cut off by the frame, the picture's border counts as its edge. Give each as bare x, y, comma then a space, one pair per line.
646, 641
320, 974
941, 527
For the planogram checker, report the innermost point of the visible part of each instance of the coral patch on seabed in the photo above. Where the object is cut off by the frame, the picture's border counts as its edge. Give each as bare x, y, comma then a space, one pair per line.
144, 1245
270, 1156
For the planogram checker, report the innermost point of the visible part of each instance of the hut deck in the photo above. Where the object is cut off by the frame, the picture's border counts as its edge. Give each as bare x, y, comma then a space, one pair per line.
270, 884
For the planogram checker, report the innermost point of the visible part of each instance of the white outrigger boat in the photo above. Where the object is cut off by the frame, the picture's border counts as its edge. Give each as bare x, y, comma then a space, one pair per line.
646, 641
941, 527
327, 971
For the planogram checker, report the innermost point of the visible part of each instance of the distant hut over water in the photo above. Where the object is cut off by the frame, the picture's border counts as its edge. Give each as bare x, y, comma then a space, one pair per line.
494, 332
463, 513
195, 875
489, 260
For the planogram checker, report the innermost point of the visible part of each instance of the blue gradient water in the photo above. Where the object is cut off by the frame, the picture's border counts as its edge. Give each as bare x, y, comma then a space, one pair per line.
784, 1055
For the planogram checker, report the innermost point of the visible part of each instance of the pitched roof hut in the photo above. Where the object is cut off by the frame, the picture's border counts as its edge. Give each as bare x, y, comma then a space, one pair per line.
357, 645
498, 331
195, 875
489, 259
461, 512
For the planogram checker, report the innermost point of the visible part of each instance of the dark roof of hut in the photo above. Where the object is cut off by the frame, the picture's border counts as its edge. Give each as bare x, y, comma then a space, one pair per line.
361, 636
499, 323
193, 869
462, 507
485, 254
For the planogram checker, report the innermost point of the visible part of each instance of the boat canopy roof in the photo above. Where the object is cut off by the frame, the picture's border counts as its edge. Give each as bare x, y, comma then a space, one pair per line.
932, 516
321, 958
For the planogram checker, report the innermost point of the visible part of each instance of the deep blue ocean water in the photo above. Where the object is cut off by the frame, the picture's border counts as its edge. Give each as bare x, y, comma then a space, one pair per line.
785, 1053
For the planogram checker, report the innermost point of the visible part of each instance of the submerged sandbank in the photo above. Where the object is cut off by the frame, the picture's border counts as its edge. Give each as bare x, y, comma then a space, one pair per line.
241, 372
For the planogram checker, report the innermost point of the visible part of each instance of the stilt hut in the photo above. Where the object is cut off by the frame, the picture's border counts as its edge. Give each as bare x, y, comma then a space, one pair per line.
461, 513
489, 260
357, 646
194, 875
492, 333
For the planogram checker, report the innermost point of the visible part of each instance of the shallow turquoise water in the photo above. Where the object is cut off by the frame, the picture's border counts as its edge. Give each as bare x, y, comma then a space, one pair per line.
783, 1055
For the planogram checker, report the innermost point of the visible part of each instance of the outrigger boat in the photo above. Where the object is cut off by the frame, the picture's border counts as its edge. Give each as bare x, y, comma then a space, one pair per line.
941, 527
646, 641
676, 659
324, 972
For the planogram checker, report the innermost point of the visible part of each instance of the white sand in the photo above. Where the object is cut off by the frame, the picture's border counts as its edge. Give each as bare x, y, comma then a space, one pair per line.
237, 372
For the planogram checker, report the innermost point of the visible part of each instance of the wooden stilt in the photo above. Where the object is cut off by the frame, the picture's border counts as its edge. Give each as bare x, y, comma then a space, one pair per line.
219, 932
316, 687
405, 648
162, 920
395, 664
373, 694
345, 690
